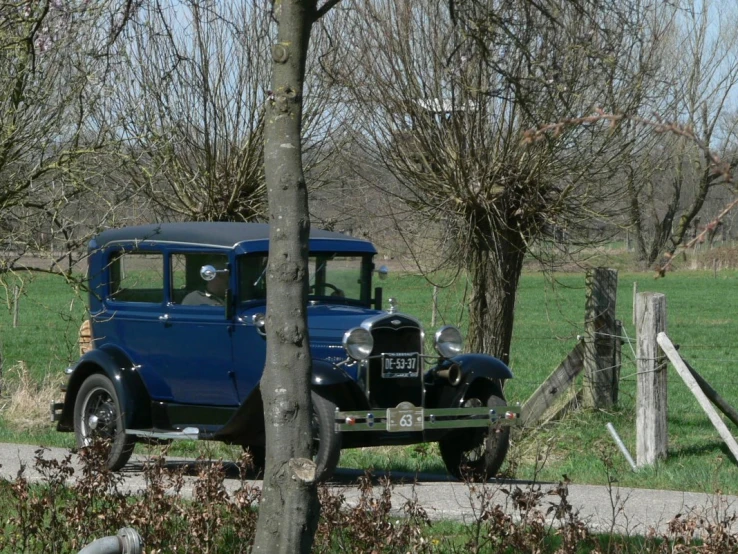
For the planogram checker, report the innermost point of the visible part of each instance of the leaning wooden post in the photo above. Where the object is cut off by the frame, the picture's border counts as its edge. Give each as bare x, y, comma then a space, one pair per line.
599, 346
670, 350
651, 423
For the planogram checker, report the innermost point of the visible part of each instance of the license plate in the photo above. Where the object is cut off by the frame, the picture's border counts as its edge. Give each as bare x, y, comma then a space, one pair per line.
405, 419
400, 365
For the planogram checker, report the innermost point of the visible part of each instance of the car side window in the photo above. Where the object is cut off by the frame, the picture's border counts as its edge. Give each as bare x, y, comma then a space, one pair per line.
189, 288
137, 277
252, 278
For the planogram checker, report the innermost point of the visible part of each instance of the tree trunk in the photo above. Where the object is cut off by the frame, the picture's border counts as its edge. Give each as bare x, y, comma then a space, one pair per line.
289, 509
495, 265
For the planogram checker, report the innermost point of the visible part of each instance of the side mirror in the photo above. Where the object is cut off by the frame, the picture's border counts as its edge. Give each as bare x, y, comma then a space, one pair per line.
208, 272
382, 272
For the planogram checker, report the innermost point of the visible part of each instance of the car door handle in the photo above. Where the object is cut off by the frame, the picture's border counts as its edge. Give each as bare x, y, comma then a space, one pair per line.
164, 317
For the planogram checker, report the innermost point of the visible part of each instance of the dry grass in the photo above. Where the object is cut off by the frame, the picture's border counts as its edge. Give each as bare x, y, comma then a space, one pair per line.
24, 404
716, 258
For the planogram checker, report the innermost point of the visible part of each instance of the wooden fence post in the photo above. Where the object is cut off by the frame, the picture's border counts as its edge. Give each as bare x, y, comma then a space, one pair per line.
651, 405
601, 340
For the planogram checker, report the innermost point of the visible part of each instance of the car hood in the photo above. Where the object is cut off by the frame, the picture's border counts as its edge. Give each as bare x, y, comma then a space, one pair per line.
328, 323
331, 319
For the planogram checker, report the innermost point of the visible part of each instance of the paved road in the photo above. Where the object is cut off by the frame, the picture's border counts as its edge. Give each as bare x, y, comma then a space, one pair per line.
633, 511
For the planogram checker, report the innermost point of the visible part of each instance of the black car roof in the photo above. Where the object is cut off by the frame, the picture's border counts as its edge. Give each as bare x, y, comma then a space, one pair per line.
211, 233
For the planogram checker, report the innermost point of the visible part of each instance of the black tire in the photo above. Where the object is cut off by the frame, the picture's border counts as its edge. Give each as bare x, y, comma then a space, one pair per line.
97, 399
476, 454
326, 442
258, 457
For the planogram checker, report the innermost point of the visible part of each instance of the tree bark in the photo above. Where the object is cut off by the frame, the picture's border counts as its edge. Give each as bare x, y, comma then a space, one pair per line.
495, 264
289, 509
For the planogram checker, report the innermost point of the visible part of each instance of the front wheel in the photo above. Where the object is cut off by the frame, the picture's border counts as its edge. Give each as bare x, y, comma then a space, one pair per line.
326, 441
476, 453
97, 416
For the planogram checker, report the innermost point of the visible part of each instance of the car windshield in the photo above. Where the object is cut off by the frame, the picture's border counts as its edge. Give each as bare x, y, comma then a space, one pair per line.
336, 276
332, 276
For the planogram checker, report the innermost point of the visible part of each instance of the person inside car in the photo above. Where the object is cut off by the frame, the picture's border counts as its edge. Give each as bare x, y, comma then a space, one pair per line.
214, 291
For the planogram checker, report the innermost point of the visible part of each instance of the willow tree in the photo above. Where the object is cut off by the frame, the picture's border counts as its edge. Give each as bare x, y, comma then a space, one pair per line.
289, 510
442, 94
192, 86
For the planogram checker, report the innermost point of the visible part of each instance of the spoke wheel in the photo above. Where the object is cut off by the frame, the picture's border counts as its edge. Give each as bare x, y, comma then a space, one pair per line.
97, 416
476, 453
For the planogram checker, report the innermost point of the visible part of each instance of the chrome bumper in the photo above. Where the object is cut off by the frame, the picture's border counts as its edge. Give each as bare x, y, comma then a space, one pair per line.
395, 420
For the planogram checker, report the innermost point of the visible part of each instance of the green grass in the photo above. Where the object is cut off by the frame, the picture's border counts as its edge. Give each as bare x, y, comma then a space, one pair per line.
50, 312
702, 318
454, 536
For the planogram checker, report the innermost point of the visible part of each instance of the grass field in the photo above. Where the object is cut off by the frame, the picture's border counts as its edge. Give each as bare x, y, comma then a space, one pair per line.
702, 319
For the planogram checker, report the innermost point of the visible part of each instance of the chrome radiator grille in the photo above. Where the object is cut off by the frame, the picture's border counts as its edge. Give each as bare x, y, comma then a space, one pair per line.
391, 337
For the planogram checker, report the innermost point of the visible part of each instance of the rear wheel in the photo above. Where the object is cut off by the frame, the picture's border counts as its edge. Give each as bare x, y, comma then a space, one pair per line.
476, 453
97, 416
326, 441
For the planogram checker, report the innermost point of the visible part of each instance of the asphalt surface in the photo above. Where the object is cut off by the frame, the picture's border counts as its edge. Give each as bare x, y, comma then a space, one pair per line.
620, 510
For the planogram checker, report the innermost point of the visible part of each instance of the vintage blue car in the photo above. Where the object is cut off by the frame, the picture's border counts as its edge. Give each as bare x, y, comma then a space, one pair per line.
177, 314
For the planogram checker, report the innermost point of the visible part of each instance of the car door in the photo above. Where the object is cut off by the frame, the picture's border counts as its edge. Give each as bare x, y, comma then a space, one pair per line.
183, 353
249, 344
196, 346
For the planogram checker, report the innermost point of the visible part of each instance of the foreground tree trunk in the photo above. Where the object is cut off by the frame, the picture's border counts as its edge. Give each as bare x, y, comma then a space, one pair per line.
289, 509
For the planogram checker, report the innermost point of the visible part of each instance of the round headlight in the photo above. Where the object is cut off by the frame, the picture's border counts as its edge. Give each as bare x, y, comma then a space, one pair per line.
358, 342
448, 341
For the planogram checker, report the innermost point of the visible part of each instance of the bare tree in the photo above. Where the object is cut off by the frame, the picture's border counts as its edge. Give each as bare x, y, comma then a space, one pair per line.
671, 182
441, 98
289, 510
53, 67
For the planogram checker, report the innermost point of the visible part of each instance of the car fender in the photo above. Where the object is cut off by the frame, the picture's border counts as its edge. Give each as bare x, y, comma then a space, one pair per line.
243, 426
474, 370
122, 372
344, 390
473, 366
327, 374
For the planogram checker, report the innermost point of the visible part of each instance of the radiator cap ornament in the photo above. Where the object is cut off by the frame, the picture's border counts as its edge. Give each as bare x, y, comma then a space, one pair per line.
392, 306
